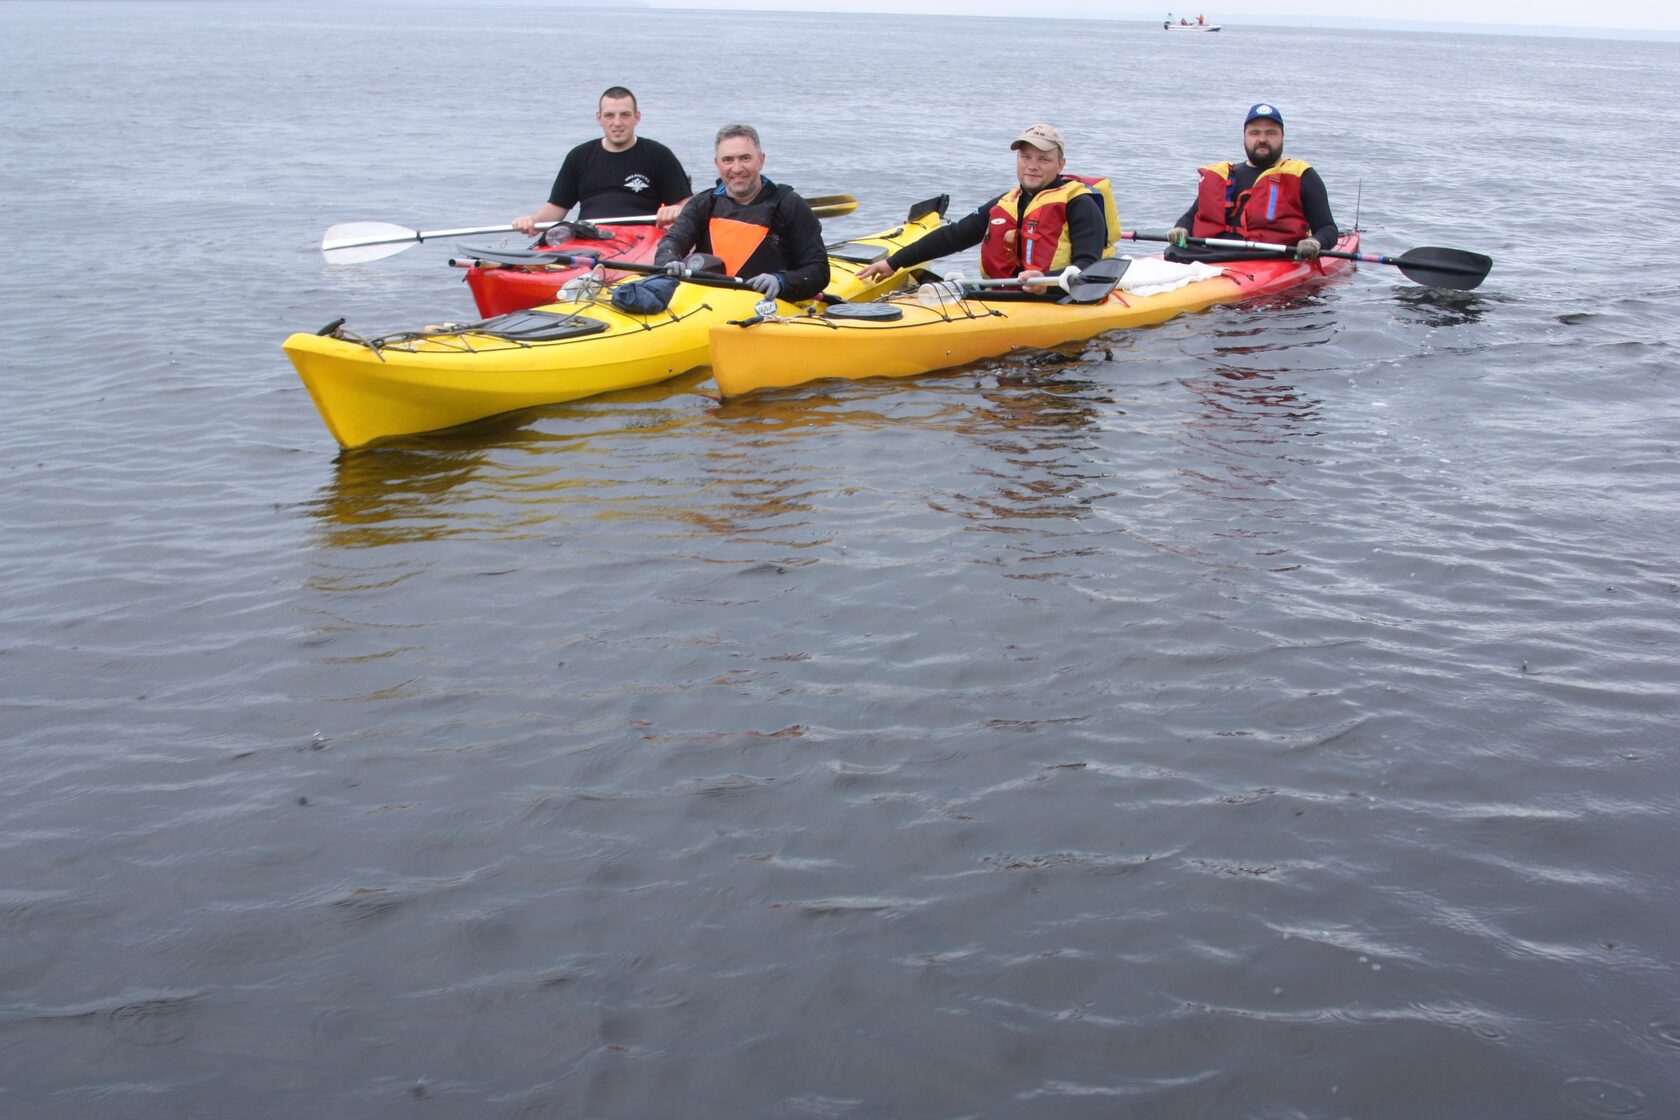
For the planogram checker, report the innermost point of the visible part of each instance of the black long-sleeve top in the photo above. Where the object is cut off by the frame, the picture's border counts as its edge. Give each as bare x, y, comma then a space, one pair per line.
793, 249
1087, 231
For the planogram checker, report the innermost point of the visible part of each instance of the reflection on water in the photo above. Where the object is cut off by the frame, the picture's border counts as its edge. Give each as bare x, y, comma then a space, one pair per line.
1240, 430
1249, 408
1039, 423
1435, 307
1031, 425
395, 494
822, 404
1064, 400
1244, 403
1246, 431
505, 475
768, 467
672, 453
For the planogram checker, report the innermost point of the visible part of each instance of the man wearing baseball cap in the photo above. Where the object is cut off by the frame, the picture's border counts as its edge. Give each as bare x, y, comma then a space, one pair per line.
1049, 221
1267, 198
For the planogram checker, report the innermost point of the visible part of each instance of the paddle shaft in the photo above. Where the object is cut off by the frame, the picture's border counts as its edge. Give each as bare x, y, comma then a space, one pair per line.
825, 206
1455, 269
1085, 286
588, 260
1266, 247
341, 240
1259, 247
1059, 280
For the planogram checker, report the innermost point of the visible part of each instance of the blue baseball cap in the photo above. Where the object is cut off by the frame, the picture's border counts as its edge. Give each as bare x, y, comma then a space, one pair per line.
1263, 111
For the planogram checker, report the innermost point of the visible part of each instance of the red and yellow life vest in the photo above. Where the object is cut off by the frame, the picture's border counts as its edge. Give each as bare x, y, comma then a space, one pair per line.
1038, 239
1270, 210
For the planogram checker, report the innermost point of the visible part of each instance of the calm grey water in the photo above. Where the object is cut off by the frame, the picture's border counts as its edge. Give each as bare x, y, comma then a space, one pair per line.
1268, 715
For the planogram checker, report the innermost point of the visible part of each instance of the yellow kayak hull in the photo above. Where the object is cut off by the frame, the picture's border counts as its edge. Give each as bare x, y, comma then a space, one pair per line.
789, 352
403, 387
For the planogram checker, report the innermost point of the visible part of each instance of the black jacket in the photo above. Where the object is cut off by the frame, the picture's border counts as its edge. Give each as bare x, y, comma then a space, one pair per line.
793, 249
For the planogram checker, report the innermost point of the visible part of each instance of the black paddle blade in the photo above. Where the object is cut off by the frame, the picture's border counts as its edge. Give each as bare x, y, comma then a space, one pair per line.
1094, 284
1107, 269
497, 255
1458, 270
935, 205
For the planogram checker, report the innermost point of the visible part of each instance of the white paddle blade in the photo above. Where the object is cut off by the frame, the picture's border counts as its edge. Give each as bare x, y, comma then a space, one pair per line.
355, 242
361, 254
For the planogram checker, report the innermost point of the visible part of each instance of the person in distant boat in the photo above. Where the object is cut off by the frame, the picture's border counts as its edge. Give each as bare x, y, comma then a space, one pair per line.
1266, 198
620, 175
1200, 21
765, 233
1047, 222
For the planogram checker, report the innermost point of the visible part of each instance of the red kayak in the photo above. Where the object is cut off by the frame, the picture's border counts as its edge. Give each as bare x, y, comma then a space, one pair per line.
499, 289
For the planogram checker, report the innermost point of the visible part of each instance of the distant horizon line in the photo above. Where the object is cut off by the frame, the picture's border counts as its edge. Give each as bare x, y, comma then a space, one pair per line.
1255, 20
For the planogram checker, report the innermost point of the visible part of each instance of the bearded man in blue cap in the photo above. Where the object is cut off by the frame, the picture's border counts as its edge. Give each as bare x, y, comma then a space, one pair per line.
1267, 198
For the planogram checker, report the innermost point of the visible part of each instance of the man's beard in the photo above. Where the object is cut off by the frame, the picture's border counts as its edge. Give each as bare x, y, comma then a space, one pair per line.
1263, 162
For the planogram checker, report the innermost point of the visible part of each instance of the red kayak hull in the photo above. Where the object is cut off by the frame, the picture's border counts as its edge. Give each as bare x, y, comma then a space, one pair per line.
503, 288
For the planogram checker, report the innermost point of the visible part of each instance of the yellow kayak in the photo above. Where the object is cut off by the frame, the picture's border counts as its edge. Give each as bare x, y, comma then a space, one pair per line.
373, 389
919, 339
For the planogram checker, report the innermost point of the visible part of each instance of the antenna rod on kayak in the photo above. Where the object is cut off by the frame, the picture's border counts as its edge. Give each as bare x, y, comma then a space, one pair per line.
1358, 195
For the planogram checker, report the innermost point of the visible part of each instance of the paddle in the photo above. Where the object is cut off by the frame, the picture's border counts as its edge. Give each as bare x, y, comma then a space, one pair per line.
1091, 285
359, 242
825, 206
1458, 270
697, 268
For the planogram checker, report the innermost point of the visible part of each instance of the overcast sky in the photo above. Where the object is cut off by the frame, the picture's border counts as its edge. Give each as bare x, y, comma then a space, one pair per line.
1617, 14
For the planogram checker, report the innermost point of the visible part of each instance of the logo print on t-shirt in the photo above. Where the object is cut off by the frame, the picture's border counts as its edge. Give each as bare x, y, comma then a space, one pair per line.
637, 182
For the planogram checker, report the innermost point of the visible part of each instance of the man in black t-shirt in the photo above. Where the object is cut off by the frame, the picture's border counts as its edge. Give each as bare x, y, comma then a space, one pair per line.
619, 176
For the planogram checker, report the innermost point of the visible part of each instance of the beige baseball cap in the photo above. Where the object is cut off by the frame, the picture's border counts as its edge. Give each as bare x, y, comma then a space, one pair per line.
1041, 136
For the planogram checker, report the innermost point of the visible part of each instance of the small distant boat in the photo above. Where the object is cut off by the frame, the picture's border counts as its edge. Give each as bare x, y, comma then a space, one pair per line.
1170, 24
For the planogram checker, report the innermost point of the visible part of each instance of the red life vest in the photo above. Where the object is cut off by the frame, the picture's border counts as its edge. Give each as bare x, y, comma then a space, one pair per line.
1270, 210
1037, 239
